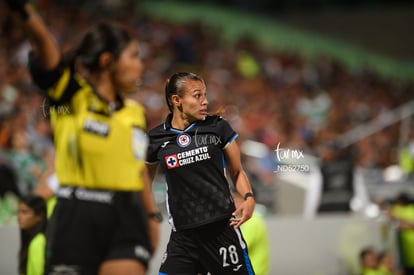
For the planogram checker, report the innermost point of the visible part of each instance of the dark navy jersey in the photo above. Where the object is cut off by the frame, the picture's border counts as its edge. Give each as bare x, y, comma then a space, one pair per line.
194, 166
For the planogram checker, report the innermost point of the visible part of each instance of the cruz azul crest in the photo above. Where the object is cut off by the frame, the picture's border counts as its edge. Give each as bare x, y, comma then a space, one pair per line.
183, 140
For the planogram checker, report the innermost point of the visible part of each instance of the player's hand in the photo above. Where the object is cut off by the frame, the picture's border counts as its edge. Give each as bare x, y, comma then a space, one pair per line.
243, 212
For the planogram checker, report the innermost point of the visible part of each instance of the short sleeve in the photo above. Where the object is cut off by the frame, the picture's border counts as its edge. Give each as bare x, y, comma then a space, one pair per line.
59, 84
226, 132
44, 79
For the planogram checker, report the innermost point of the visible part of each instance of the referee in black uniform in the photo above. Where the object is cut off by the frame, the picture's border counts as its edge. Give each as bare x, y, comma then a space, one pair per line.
194, 150
104, 221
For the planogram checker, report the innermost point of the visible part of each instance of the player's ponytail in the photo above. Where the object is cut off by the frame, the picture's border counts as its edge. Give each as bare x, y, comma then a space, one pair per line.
174, 86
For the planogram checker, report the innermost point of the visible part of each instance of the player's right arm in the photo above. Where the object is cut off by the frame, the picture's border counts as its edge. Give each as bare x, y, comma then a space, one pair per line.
43, 42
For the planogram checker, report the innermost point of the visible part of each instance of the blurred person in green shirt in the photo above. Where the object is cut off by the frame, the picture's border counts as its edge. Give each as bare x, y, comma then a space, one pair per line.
386, 264
403, 213
31, 217
369, 261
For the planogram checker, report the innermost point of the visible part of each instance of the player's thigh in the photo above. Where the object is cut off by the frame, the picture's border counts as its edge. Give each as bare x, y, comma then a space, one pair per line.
224, 251
122, 267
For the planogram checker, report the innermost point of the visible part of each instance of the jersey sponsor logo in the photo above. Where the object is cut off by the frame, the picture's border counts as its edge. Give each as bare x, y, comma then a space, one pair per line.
183, 140
165, 144
171, 161
187, 157
237, 268
94, 195
96, 127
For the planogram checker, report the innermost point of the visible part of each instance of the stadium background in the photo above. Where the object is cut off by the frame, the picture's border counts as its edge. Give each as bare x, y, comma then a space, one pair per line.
297, 75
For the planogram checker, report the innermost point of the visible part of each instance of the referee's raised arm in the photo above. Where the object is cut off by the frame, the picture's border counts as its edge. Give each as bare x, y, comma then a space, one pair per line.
43, 42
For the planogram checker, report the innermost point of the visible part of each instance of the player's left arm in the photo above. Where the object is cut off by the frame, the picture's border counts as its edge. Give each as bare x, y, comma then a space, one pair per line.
241, 182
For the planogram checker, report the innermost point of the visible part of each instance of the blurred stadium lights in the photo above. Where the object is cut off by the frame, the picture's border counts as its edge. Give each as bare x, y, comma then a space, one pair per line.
393, 173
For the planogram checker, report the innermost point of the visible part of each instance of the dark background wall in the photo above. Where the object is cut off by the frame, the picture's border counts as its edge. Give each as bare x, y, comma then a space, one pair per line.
289, 5
386, 30
383, 26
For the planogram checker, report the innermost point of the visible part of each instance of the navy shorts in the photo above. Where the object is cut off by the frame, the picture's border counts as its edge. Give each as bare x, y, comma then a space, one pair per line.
216, 248
89, 227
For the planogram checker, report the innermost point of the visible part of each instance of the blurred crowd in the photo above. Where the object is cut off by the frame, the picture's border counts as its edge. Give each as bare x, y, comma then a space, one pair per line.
396, 254
268, 96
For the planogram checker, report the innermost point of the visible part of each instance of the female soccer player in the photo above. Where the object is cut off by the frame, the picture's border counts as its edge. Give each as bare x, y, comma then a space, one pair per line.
101, 219
194, 151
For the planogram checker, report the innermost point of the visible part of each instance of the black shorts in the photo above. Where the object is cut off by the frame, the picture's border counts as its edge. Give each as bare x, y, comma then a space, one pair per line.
89, 227
216, 248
